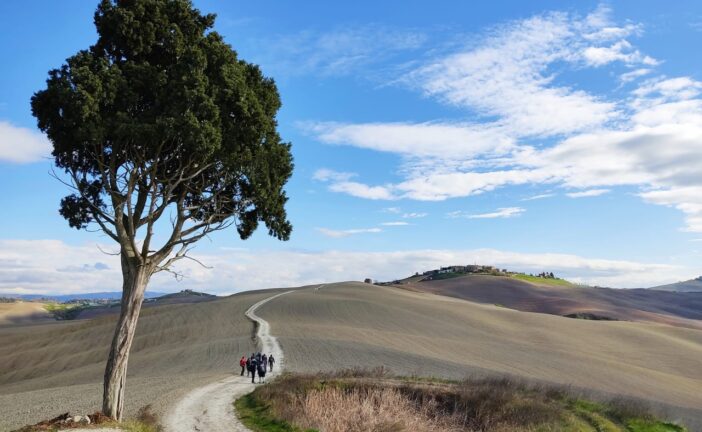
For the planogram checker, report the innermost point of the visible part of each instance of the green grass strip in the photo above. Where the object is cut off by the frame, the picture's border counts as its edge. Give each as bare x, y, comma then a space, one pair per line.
257, 416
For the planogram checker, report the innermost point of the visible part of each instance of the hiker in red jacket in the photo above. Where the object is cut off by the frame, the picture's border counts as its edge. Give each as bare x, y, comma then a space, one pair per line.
242, 363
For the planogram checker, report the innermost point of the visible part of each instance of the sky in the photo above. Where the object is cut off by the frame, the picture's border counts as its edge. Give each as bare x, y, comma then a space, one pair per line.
534, 136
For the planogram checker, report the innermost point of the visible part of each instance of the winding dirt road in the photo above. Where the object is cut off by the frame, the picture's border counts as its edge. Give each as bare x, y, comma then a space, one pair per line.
210, 408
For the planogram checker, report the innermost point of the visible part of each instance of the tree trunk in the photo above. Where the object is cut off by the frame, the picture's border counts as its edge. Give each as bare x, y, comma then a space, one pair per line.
135, 278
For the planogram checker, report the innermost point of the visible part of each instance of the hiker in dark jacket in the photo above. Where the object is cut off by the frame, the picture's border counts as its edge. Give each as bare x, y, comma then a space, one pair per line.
261, 372
242, 363
271, 360
248, 366
254, 366
264, 362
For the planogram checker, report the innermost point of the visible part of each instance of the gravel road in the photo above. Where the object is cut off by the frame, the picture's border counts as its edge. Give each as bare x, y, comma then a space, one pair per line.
210, 408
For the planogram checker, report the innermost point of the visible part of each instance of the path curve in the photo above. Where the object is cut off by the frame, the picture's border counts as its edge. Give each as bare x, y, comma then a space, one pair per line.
210, 408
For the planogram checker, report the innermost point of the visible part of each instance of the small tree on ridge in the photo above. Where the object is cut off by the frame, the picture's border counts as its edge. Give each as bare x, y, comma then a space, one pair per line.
159, 120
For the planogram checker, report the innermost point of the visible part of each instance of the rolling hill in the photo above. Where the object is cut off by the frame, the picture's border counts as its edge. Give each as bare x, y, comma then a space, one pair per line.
49, 369
46, 370
692, 285
106, 295
415, 333
674, 308
23, 313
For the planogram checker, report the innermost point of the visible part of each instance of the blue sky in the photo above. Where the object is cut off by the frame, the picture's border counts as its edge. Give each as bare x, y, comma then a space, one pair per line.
558, 136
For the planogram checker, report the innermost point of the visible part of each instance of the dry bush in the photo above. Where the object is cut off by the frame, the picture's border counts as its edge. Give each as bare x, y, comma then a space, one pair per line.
146, 416
359, 372
484, 404
368, 410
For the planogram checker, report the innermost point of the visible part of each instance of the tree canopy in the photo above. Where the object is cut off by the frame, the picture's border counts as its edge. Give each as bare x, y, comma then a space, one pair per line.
161, 114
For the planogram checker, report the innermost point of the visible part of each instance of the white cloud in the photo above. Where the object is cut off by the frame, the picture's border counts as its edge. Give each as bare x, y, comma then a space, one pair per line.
22, 145
30, 267
393, 210
672, 88
588, 193
686, 199
51, 266
340, 182
338, 52
619, 51
442, 140
637, 73
398, 223
508, 74
504, 212
349, 232
361, 190
414, 215
324, 175
539, 197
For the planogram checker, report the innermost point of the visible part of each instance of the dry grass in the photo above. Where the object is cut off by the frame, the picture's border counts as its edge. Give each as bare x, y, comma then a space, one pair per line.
328, 403
375, 409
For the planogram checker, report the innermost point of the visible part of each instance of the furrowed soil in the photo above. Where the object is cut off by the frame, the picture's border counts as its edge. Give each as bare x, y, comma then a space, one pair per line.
681, 309
46, 370
355, 324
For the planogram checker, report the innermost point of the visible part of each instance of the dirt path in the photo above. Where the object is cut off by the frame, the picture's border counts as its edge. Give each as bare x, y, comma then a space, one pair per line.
209, 408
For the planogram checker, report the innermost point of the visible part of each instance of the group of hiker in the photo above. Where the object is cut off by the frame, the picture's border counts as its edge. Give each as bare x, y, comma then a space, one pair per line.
256, 364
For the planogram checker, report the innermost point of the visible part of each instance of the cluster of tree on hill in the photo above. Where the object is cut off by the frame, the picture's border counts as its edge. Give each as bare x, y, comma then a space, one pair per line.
458, 270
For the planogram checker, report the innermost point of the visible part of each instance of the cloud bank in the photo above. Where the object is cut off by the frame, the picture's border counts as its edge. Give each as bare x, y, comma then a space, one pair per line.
22, 145
531, 127
40, 267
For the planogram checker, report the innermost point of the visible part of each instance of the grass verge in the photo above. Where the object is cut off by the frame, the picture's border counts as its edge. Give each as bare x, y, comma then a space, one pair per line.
255, 414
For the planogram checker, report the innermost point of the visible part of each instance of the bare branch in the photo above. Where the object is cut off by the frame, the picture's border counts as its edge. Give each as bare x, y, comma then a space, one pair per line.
107, 253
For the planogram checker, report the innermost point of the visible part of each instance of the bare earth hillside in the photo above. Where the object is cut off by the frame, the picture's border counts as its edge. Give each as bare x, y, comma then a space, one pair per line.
22, 313
355, 324
693, 285
49, 369
674, 308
